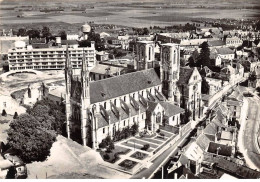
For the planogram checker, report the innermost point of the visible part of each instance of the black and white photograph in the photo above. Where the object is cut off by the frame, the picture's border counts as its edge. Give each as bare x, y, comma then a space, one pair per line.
130, 89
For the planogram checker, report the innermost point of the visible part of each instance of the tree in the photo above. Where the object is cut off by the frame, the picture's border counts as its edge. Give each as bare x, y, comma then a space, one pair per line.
4, 112
15, 115
191, 62
204, 86
31, 140
204, 59
46, 33
145, 31
33, 33
21, 32
63, 35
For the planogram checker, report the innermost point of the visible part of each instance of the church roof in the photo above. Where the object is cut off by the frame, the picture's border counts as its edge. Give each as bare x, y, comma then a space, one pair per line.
171, 109
185, 74
121, 85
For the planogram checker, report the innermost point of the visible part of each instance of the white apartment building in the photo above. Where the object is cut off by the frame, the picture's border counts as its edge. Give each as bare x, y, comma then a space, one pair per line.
24, 56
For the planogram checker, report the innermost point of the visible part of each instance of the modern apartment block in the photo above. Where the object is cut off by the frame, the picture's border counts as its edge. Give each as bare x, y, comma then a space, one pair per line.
24, 56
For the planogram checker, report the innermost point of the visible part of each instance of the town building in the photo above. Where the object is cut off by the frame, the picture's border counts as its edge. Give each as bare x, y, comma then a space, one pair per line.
49, 58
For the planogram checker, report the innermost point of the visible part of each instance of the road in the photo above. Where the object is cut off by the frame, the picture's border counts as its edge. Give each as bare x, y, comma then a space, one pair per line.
249, 133
163, 158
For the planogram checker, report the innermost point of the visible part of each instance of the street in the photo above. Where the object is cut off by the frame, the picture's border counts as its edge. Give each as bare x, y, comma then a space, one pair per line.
249, 134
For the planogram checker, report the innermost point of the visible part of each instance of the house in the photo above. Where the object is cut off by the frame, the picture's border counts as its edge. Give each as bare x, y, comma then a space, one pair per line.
233, 42
225, 53
216, 44
214, 85
102, 71
124, 41
102, 56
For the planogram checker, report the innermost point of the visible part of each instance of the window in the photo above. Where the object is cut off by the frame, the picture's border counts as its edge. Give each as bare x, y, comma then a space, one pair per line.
115, 102
124, 98
134, 119
124, 123
195, 77
4, 104
104, 130
105, 105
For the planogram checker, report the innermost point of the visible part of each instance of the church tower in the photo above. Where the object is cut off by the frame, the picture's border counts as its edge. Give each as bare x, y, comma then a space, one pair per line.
68, 79
85, 101
169, 69
145, 55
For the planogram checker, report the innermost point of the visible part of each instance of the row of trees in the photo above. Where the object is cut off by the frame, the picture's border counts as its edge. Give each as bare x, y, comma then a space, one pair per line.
43, 33
33, 133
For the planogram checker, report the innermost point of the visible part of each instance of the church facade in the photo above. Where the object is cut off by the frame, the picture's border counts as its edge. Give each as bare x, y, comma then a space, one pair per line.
96, 109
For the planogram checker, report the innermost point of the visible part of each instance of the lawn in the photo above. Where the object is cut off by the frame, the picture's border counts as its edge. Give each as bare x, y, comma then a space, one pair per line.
136, 146
151, 140
113, 156
142, 143
127, 164
139, 155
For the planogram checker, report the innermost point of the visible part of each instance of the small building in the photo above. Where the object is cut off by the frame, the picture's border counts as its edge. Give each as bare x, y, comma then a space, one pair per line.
102, 56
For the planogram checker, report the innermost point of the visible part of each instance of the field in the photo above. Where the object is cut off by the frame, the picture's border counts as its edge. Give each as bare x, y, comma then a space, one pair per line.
135, 14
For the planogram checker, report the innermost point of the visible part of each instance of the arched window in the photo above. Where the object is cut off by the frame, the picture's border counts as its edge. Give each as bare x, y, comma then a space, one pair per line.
124, 98
105, 105
158, 118
114, 129
115, 102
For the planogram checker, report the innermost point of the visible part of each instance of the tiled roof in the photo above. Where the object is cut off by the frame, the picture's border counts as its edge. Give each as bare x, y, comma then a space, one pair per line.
121, 85
223, 149
39, 46
185, 74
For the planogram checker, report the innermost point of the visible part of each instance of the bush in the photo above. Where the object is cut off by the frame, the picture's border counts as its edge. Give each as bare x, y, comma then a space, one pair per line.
145, 147
102, 145
15, 115
106, 157
4, 113
158, 131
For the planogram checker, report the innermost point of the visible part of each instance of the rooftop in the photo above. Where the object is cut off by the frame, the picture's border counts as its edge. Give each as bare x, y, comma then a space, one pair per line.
121, 85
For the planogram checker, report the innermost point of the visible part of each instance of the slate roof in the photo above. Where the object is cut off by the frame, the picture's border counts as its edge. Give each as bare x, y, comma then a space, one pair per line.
171, 109
223, 149
214, 43
102, 69
121, 85
185, 74
225, 50
69, 42
225, 135
151, 106
211, 129
203, 141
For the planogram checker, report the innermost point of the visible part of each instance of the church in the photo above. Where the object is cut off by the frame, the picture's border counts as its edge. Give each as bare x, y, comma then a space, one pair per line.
148, 97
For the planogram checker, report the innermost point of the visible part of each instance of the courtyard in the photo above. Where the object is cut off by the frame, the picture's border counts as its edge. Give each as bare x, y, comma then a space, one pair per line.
136, 152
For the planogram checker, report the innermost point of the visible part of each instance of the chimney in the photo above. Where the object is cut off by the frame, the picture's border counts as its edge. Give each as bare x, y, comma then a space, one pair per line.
175, 176
58, 41
92, 44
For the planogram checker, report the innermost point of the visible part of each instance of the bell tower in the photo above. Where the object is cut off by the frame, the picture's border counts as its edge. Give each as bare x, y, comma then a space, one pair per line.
169, 69
145, 55
85, 100
68, 79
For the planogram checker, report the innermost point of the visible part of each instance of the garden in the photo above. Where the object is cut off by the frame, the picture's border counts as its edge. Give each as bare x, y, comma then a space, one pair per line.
113, 155
139, 155
127, 164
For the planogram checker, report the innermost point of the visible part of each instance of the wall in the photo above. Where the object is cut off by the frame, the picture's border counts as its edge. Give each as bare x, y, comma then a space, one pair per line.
10, 105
